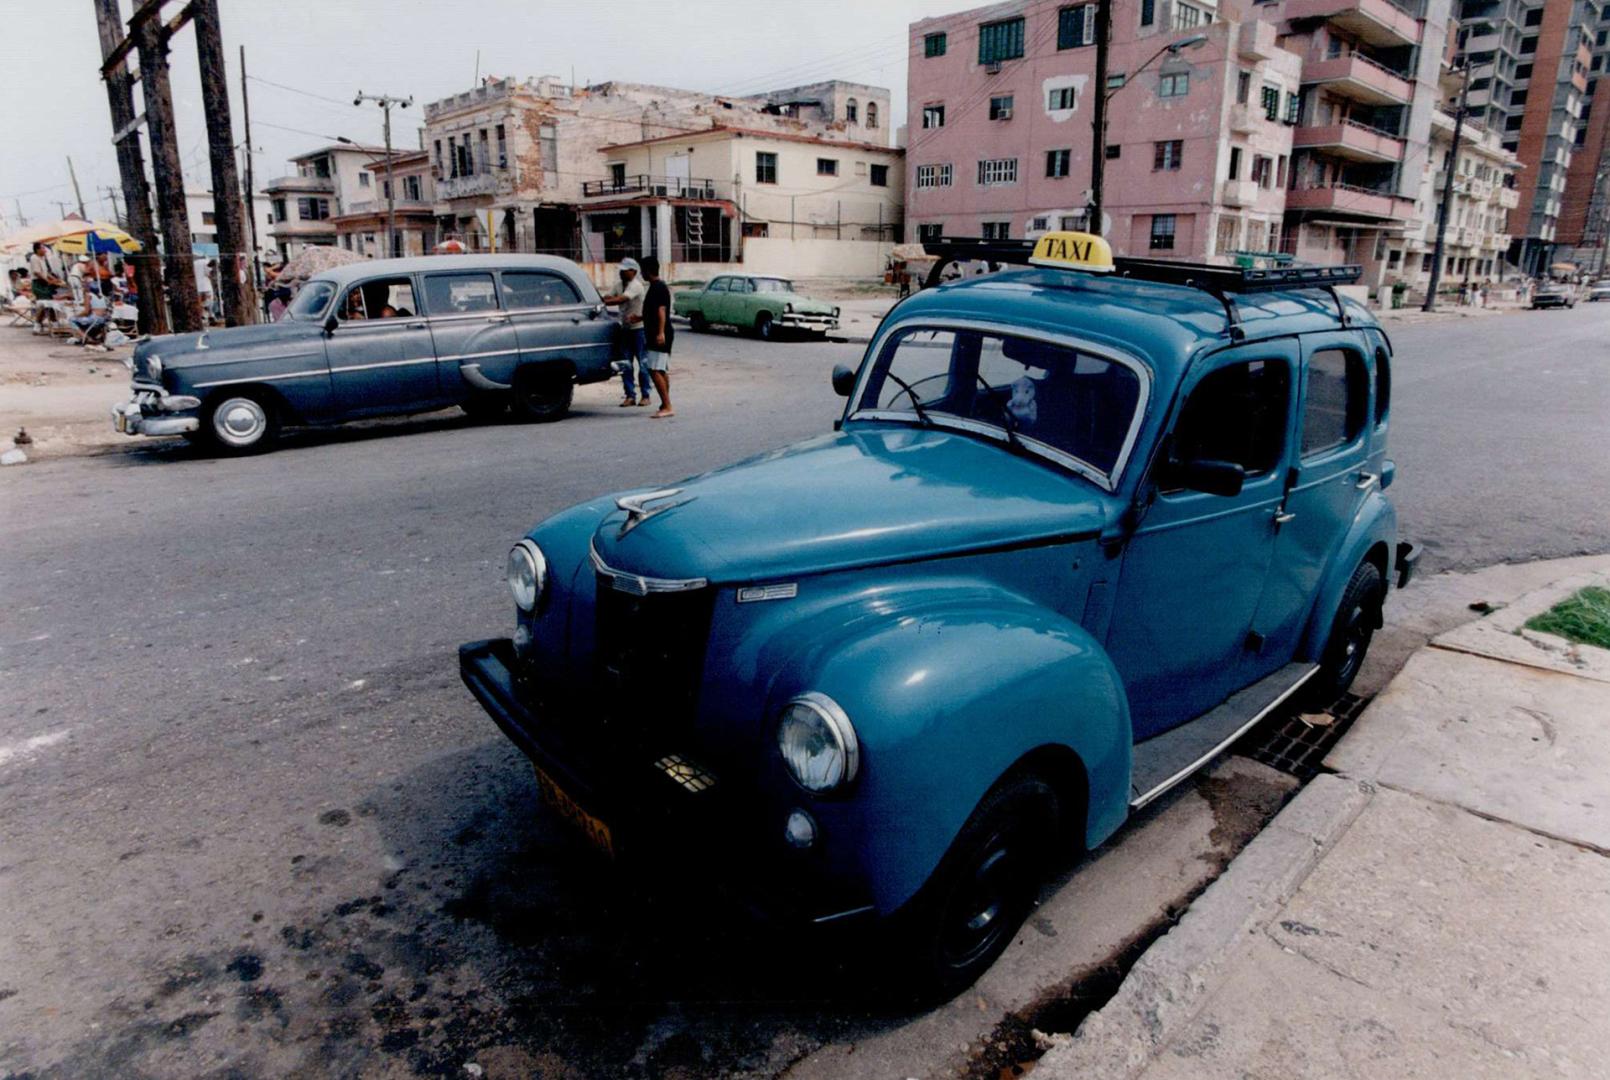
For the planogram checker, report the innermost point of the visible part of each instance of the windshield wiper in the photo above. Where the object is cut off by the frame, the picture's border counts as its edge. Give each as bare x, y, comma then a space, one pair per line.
916, 402
1008, 421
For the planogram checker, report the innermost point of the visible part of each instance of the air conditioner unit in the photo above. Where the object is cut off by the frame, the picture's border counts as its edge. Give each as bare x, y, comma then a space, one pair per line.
1004, 114
992, 68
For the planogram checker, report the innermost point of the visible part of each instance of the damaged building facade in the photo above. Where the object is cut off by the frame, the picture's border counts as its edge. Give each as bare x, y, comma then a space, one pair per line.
582, 172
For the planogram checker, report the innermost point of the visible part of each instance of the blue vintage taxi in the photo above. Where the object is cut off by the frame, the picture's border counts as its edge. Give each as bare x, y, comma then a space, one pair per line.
488, 333
1081, 524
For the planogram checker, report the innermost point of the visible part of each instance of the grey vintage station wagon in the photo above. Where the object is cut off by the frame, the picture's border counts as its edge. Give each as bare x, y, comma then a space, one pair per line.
488, 333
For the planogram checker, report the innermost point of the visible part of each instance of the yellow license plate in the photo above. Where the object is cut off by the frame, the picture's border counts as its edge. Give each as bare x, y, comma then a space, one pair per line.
122, 423
569, 809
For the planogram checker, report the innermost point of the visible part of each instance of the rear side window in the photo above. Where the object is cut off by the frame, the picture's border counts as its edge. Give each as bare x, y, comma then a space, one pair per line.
1383, 386
1337, 398
458, 294
1236, 414
537, 290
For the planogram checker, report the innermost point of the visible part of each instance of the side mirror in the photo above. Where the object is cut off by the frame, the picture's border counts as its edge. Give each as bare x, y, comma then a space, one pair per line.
843, 380
330, 323
597, 310
1210, 477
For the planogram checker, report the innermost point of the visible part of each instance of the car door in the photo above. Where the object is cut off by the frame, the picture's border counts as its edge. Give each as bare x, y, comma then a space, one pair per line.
736, 306
382, 358
711, 299
1194, 568
475, 339
552, 322
1329, 475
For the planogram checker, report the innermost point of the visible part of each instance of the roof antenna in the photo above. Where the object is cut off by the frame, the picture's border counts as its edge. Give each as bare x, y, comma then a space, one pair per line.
477, 80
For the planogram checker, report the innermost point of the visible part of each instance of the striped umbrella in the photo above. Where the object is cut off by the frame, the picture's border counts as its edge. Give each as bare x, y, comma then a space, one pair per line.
96, 238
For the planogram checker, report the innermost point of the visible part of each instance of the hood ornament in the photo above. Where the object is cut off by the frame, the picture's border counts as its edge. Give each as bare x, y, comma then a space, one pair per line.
637, 513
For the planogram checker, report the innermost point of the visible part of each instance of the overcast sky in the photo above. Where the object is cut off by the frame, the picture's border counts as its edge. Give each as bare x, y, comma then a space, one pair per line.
55, 103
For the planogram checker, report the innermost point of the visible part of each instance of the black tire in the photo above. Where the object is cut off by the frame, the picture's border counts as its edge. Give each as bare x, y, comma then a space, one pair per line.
698, 323
542, 393
239, 422
485, 406
1357, 618
983, 889
765, 328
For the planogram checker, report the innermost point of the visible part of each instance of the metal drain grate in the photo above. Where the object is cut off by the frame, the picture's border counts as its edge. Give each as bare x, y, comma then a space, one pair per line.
1297, 746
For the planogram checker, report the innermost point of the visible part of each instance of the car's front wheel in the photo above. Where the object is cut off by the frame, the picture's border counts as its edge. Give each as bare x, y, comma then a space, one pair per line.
698, 323
542, 392
243, 422
765, 328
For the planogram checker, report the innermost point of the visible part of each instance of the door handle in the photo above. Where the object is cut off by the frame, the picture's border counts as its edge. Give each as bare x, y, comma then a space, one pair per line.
497, 318
418, 326
1366, 480
1283, 516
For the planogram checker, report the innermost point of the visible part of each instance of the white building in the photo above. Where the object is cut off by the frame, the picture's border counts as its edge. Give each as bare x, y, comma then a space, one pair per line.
203, 215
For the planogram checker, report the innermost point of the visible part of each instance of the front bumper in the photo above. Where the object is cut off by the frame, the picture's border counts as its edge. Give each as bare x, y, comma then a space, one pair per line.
154, 411
712, 835
796, 321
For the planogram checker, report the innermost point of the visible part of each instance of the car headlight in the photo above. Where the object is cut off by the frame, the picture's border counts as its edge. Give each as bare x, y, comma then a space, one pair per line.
835, 313
788, 308
153, 364
527, 574
818, 743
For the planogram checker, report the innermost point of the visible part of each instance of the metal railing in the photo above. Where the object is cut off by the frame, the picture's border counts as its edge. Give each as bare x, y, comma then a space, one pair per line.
681, 187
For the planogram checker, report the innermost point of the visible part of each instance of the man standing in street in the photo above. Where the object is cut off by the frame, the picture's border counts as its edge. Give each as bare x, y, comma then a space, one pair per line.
657, 323
631, 351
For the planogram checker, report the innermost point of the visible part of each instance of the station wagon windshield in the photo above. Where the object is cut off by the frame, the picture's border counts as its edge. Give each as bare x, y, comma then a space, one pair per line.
1071, 406
310, 301
771, 284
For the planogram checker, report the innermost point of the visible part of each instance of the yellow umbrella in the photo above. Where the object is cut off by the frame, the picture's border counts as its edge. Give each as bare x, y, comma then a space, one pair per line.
98, 236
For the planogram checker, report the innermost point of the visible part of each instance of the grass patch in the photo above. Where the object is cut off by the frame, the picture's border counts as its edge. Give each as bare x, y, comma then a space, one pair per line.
1583, 617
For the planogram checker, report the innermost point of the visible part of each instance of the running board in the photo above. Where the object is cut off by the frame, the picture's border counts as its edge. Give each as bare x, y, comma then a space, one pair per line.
1164, 760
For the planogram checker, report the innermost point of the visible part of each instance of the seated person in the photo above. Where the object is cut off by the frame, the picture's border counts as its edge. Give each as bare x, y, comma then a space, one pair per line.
388, 312
89, 325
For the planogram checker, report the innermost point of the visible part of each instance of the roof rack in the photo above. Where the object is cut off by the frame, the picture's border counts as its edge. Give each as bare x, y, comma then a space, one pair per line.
1222, 282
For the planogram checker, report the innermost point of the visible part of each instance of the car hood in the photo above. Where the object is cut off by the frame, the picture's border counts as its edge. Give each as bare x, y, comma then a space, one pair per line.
871, 494
182, 350
804, 305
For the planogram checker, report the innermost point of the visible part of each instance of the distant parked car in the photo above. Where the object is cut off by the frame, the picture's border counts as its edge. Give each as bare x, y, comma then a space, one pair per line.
1600, 290
1554, 294
763, 305
488, 333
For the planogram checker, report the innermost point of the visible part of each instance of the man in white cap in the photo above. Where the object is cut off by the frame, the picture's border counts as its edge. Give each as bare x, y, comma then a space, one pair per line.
631, 351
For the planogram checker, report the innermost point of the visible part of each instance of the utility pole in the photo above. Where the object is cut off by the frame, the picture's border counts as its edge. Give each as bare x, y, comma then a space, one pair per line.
385, 104
131, 166
22, 219
1098, 121
79, 195
1447, 196
179, 272
251, 185
235, 287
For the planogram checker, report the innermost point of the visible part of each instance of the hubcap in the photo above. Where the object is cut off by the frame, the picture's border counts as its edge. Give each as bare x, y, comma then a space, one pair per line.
240, 421
978, 908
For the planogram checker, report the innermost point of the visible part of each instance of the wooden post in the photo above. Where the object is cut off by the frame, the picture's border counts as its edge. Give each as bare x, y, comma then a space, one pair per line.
131, 166
235, 286
178, 266
250, 187
79, 195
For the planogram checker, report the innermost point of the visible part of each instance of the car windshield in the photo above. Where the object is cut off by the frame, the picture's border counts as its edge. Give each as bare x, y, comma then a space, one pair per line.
310, 301
1075, 407
772, 284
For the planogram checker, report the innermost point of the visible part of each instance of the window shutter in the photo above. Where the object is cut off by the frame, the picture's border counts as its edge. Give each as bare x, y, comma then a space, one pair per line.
1090, 24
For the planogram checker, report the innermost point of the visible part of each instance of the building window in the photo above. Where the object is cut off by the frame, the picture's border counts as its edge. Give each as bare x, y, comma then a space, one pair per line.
1235, 163
997, 230
1148, 12
826, 166
878, 176
503, 149
1294, 106
1114, 150
483, 162
1162, 232
852, 114
1534, 17
279, 209
412, 191
1040, 224
1000, 108
1060, 98
208, 218
1529, 45
438, 159
998, 41
363, 179
933, 116
932, 176
872, 114
1187, 17
1263, 171
1071, 222
1076, 26
933, 45
927, 233
765, 167
313, 209
1271, 102
993, 171
1243, 87
1174, 84
465, 166
1115, 81
1057, 162
1166, 155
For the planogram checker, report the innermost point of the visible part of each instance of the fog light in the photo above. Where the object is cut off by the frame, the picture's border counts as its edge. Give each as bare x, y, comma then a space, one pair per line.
800, 831
522, 639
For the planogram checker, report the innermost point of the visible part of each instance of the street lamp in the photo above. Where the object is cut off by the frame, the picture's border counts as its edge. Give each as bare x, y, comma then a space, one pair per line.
1098, 164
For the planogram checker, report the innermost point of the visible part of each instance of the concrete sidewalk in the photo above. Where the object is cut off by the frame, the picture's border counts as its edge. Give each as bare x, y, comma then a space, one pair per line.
1439, 906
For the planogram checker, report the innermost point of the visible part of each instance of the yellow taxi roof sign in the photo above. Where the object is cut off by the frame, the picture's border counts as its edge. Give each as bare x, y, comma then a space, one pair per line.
1073, 251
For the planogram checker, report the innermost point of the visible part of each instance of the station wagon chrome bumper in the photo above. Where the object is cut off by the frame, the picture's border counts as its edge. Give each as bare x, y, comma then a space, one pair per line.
154, 411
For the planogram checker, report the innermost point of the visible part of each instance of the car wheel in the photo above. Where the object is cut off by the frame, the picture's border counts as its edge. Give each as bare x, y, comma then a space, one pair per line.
765, 329
698, 323
485, 406
244, 422
542, 392
1358, 616
967, 914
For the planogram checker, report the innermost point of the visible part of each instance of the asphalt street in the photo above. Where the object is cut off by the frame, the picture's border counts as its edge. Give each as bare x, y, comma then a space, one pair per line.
251, 823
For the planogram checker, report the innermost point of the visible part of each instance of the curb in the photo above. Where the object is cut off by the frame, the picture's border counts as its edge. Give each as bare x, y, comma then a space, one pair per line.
1164, 990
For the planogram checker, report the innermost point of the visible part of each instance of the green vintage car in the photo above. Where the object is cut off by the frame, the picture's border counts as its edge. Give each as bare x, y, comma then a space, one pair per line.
764, 305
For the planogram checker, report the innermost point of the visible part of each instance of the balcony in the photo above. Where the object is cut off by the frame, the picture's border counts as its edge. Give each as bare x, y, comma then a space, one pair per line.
1375, 22
644, 185
1359, 78
297, 230
1244, 119
378, 206
1352, 201
463, 187
1238, 192
1350, 140
1508, 198
320, 185
1257, 40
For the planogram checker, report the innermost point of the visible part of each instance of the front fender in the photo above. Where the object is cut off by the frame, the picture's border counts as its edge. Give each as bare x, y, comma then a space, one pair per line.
948, 690
1374, 527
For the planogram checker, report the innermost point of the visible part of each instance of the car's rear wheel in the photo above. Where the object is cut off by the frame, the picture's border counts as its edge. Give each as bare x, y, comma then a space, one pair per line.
698, 323
242, 422
1357, 618
542, 392
765, 328
984, 887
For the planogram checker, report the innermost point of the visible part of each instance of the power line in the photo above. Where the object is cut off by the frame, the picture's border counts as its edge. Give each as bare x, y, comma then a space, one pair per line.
304, 93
